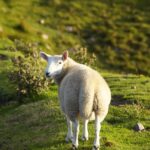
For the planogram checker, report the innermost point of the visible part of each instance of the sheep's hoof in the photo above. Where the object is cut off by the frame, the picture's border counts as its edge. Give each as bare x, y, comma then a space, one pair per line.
95, 148
68, 139
74, 147
84, 138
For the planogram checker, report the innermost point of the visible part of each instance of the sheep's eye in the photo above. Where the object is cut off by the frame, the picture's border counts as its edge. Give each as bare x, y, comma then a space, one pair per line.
59, 62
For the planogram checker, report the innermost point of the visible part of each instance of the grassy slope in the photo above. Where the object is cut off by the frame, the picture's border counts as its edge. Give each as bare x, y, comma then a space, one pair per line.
41, 125
103, 27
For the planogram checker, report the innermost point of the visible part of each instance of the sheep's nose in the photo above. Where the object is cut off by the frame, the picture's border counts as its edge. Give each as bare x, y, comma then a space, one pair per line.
47, 74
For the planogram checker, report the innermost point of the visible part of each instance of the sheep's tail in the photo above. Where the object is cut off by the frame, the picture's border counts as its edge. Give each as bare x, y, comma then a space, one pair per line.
86, 100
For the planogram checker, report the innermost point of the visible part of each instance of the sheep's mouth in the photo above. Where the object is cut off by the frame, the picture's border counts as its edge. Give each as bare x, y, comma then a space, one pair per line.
49, 76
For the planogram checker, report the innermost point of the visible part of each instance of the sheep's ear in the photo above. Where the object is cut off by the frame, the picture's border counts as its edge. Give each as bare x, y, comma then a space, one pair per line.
44, 55
65, 55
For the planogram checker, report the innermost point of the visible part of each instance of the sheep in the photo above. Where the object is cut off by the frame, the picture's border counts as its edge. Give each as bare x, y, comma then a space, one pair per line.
82, 91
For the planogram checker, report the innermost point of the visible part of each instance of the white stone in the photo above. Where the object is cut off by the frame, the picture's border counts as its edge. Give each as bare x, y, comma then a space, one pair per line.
139, 127
69, 28
42, 21
45, 36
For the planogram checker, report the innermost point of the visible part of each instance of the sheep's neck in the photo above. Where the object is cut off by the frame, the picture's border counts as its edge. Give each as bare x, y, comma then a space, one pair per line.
58, 78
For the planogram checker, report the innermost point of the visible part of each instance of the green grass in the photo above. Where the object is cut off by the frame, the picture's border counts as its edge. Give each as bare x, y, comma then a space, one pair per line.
116, 31
41, 125
101, 26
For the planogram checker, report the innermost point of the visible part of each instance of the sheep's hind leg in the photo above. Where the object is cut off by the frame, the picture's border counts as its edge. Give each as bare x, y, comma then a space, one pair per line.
97, 131
85, 130
75, 134
69, 136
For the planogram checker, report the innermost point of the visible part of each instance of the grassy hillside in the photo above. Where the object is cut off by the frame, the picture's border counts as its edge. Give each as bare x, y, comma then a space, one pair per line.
41, 125
118, 32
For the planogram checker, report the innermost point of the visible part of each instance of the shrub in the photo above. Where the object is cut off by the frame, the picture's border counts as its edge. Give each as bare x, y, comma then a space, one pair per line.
26, 48
82, 56
28, 75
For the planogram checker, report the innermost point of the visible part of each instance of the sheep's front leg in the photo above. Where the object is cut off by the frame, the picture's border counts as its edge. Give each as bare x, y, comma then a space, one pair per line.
85, 130
75, 134
97, 131
69, 136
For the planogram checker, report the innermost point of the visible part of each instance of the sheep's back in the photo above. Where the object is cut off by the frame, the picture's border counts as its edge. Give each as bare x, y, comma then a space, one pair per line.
69, 94
76, 88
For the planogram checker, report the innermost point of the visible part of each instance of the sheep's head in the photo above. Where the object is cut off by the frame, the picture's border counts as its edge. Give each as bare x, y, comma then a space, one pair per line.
55, 63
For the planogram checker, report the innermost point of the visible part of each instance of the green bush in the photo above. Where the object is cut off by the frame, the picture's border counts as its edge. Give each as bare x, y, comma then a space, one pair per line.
82, 56
28, 75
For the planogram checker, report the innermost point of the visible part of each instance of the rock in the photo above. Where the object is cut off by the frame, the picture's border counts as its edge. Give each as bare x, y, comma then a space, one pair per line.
69, 28
42, 21
45, 36
139, 127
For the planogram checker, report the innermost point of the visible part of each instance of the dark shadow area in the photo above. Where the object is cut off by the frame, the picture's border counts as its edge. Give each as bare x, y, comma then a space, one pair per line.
3, 57
7, 90
119, 100
48, 2
138, 4
117, 120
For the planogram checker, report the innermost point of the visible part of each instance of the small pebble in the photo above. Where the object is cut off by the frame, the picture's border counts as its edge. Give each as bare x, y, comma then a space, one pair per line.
69, 28
42, 21
45, 36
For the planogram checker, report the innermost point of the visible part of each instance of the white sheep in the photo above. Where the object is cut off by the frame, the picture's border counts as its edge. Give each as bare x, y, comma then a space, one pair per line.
82, 92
